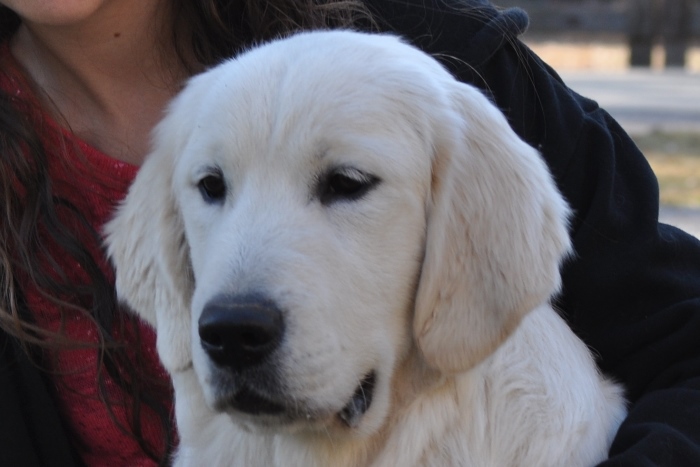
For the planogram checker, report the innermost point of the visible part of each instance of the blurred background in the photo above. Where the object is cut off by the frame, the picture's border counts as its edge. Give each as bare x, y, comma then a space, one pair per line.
640, 59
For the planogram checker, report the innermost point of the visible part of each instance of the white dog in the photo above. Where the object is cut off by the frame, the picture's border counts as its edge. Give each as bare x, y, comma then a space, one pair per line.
348, 257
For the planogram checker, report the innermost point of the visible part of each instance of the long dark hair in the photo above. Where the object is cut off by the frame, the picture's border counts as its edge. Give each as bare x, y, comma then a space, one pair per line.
206, 31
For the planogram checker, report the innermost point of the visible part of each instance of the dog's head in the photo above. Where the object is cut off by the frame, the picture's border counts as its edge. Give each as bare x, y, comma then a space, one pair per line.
317, 207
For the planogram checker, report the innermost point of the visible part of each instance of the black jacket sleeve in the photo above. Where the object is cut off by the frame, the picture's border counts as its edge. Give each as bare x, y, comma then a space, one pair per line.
632, 292
31, 430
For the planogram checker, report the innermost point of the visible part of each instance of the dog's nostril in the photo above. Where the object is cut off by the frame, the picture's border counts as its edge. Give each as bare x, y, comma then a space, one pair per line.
254, 338
238, 331
210, 338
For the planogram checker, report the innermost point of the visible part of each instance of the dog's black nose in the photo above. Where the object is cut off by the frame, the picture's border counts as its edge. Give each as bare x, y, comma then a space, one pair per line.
240, 331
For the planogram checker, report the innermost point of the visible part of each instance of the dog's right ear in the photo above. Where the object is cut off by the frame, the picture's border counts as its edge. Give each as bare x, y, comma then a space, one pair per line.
147, 246
496, 233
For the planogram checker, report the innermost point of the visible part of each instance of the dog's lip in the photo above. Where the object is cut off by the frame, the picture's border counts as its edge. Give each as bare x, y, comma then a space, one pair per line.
252, 402
247, 400
360, 401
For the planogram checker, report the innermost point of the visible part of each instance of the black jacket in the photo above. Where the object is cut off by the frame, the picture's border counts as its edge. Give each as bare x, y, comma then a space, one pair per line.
632, 292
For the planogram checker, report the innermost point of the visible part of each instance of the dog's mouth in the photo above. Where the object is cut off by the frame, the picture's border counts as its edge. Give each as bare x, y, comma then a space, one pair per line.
359, 402
252, 402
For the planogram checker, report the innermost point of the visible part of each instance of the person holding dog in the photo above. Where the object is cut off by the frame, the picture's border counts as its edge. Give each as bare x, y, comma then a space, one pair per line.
83, 82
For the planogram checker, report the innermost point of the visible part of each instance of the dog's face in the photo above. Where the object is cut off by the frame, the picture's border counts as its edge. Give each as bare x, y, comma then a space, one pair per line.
317, 207
305, 205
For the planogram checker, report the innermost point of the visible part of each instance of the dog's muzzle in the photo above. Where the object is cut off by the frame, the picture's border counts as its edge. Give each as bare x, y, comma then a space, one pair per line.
240, 335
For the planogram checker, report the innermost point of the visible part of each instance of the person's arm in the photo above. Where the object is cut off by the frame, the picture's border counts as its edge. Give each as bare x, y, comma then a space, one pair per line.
632, 291
31, 430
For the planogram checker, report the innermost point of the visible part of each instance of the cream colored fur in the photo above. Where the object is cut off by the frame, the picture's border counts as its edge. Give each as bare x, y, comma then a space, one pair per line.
438, 278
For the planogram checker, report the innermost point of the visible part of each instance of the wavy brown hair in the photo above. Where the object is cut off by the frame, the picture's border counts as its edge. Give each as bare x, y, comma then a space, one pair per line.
205, 32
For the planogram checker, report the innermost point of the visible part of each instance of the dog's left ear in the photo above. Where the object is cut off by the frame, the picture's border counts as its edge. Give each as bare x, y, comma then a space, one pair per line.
146, 238
496, 233
147, 246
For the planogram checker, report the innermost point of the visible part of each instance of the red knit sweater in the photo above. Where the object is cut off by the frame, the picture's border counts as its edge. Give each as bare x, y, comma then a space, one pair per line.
93, 183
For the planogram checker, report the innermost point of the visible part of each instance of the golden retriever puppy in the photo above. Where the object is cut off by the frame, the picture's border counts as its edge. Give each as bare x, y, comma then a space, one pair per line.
348, 258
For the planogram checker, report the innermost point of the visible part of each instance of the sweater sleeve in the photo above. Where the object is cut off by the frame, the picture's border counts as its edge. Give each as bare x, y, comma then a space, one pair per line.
632, 291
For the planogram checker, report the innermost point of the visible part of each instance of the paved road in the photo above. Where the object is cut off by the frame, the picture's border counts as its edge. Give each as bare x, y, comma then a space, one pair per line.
687, 219
643, 101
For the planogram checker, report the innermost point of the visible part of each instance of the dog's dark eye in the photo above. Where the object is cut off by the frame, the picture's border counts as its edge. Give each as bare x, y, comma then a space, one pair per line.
213, 187
346, 184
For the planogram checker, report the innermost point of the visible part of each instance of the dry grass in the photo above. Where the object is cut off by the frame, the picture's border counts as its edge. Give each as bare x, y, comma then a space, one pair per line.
675, 159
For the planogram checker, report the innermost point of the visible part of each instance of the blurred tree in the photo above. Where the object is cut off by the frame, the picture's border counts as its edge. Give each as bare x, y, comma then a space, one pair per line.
643, 20
665, 21
677, 31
